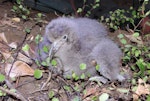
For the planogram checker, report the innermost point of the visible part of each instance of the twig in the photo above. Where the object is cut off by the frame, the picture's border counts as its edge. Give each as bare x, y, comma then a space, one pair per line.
47, 81
138, 24
18, 96
19, 49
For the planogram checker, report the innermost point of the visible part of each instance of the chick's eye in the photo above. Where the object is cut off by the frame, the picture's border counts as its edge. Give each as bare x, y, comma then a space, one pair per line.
65, 37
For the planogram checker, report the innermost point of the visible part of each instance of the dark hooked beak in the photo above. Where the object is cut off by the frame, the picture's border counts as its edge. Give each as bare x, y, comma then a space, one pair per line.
56, 45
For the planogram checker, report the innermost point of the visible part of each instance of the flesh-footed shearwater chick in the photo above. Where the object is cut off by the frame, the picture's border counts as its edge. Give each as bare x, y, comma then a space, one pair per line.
82, 40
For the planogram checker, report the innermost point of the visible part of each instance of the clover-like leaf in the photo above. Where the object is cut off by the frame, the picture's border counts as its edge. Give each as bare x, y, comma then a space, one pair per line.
51, 94
27, 30
55, 99
37, 39
103, 97
120, 36
54, 62
136, 34
82, 66
67, 88
26, 47
2, 78
123, 41
75, 76
82, 76
45, 49
97, 67
38, 74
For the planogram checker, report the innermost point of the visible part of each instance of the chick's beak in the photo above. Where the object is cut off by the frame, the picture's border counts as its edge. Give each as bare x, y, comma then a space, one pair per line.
56, 45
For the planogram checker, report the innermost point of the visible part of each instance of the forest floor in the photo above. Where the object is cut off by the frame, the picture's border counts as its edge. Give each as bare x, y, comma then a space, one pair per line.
30, 88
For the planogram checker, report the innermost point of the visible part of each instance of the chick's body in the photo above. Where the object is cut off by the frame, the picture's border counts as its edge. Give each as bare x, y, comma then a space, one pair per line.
86, 41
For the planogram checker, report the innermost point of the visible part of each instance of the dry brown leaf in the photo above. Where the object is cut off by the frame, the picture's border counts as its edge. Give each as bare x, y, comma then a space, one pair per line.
3, 37
19, 69
138, 40
16, 19
90, 91
142, 89
7, 56
9, 23
24, 58
13, 45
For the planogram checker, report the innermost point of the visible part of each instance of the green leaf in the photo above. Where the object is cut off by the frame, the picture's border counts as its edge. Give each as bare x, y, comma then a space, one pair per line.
45, 49
27, 30
26, 47
44, 63
120, 36
76, 98
68, 77
13, 90
136, 34
67, 88
94, 98
54, 62
75, 77
2, 93
148, 65
55, 99
137, 53
18, 2
15, 8
82, 76
38, 74
123, 41
79, 10
37, 62
2, 78
103, 97
82, 66
97, 67
24, 17
37, 38
97, 1
140, 63
76, 88
51, 94
147, 13
39, 15
148, 98
133, 81
134, 88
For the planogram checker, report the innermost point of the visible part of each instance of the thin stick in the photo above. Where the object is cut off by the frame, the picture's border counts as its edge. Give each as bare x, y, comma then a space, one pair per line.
18, 96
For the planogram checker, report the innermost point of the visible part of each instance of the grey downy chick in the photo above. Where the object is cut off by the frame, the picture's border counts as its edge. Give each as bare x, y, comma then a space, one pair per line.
83, 40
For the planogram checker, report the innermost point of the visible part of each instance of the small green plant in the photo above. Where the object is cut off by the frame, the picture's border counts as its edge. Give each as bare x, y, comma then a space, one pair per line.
55, 99
38, 74
38, 18
38, 38
2, 93
2, 78
136, 56
121, 18
26, 47
51, 94
83, 12
75, 76
21, 10
82, 66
